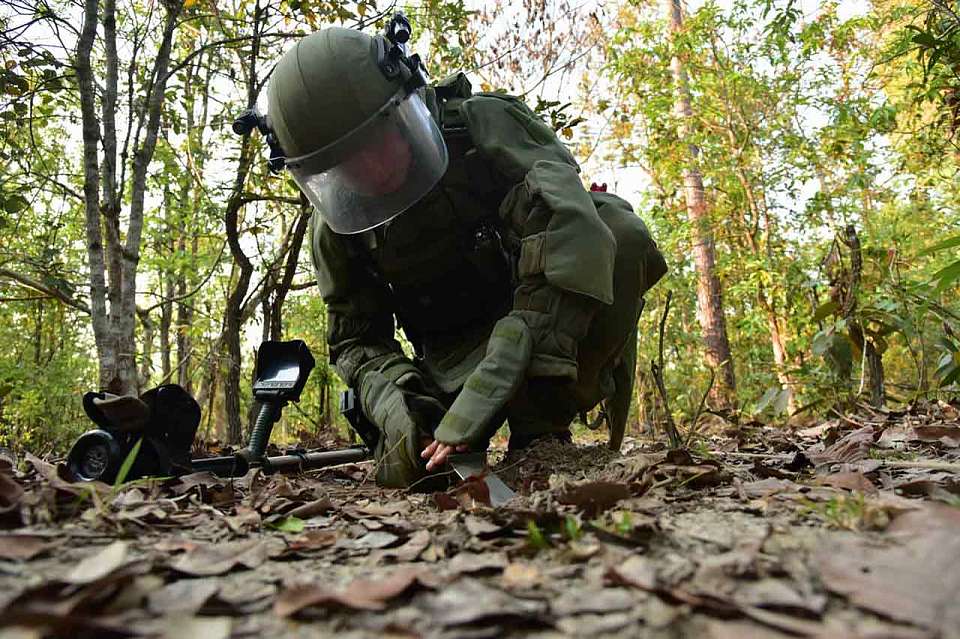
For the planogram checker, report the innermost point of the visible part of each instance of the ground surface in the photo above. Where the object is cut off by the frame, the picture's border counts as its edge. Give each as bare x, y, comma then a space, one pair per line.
849, 528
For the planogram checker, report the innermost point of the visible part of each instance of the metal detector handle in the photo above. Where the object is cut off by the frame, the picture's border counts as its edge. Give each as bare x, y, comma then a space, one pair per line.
260, 435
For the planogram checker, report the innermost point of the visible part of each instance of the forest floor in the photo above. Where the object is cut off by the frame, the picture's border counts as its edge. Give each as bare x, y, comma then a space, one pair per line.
846, 528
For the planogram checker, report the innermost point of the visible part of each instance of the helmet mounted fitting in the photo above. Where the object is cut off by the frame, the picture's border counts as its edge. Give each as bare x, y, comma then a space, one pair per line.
394, 63
252, 119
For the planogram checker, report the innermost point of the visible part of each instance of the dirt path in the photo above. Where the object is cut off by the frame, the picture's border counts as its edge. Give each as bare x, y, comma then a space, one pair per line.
847, 529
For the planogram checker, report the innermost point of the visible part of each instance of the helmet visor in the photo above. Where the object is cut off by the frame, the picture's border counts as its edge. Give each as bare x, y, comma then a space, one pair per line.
376, 171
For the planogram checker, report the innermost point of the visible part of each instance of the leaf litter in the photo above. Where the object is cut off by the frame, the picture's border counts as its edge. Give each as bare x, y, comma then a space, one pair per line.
847, 528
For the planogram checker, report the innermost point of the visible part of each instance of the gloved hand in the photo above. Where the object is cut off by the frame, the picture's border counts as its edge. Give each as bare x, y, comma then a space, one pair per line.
395, 398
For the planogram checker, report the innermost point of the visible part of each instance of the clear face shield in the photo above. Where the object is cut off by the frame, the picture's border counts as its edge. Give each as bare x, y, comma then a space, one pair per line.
376, 171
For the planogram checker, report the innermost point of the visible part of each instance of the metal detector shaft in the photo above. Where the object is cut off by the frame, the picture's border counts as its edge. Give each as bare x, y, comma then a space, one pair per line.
312, 461
237, 466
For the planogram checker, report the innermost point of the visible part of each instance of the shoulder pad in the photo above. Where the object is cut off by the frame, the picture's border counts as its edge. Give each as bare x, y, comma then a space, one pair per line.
511, 136
454, 86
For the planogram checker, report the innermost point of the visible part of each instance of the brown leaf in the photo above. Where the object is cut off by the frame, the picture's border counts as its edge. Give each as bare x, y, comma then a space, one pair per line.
605, 600
22, 547
217, 559
10, 493
372, 540
245, 520
314, 539
315, 507
100, 564
777, 593
521, 576
637, 571
947, 435
360, 594
445, 501
468, 601
852, 447
767, 487
411, 550
848, 481
385, 510
916, 582
472, 492
481, 527
595, 497
468, 562
184, 597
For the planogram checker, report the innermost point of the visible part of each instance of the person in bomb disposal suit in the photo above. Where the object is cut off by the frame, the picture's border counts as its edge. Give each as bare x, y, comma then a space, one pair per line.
461, 216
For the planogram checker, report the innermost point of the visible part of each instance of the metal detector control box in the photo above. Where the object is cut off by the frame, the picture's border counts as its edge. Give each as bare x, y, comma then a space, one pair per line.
282, 371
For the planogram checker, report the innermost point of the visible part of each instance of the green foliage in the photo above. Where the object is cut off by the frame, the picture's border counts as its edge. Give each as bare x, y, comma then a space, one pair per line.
292, 525
127, 464
536, 538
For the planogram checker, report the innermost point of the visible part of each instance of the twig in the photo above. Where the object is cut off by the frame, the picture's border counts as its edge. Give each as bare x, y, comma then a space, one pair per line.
703, 401
657, 370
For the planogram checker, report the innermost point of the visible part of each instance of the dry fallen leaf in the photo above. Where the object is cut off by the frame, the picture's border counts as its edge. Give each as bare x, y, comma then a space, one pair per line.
100, 564
916, 582
216, 559
852, 480
595, 497
469, 601
183, 597
21, 547
468, 562
411, 550
360, 594
637, 571
521, 576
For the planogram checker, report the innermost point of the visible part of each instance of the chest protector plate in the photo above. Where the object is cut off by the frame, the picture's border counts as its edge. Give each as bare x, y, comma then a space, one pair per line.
445, 258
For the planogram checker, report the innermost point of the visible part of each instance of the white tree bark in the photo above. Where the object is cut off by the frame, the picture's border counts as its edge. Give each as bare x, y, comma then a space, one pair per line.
114, 327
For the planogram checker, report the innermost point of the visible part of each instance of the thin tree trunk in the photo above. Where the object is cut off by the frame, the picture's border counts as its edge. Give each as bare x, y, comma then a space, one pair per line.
290, 270
141, 163
872, 370
106, 350
233, 316
146, 340
709, 292
114, 332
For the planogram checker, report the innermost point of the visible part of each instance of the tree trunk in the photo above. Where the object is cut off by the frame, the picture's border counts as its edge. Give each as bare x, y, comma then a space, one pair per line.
709, 293
106, 350
114, 331
290, 270
233, 317
168, 291
871, 372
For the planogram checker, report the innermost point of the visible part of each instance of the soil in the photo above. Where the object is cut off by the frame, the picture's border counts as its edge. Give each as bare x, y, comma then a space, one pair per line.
846, 528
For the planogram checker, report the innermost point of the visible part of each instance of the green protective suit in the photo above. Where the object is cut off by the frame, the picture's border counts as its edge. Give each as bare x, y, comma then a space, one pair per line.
519, 290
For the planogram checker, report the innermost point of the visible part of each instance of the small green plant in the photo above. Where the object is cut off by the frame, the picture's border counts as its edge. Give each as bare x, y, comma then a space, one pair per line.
288, 525
127, 465
848, 512
624, 526
572, 529
536, 538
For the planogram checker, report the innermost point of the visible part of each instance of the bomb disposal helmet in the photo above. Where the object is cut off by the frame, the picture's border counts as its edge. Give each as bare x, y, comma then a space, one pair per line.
355, 133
